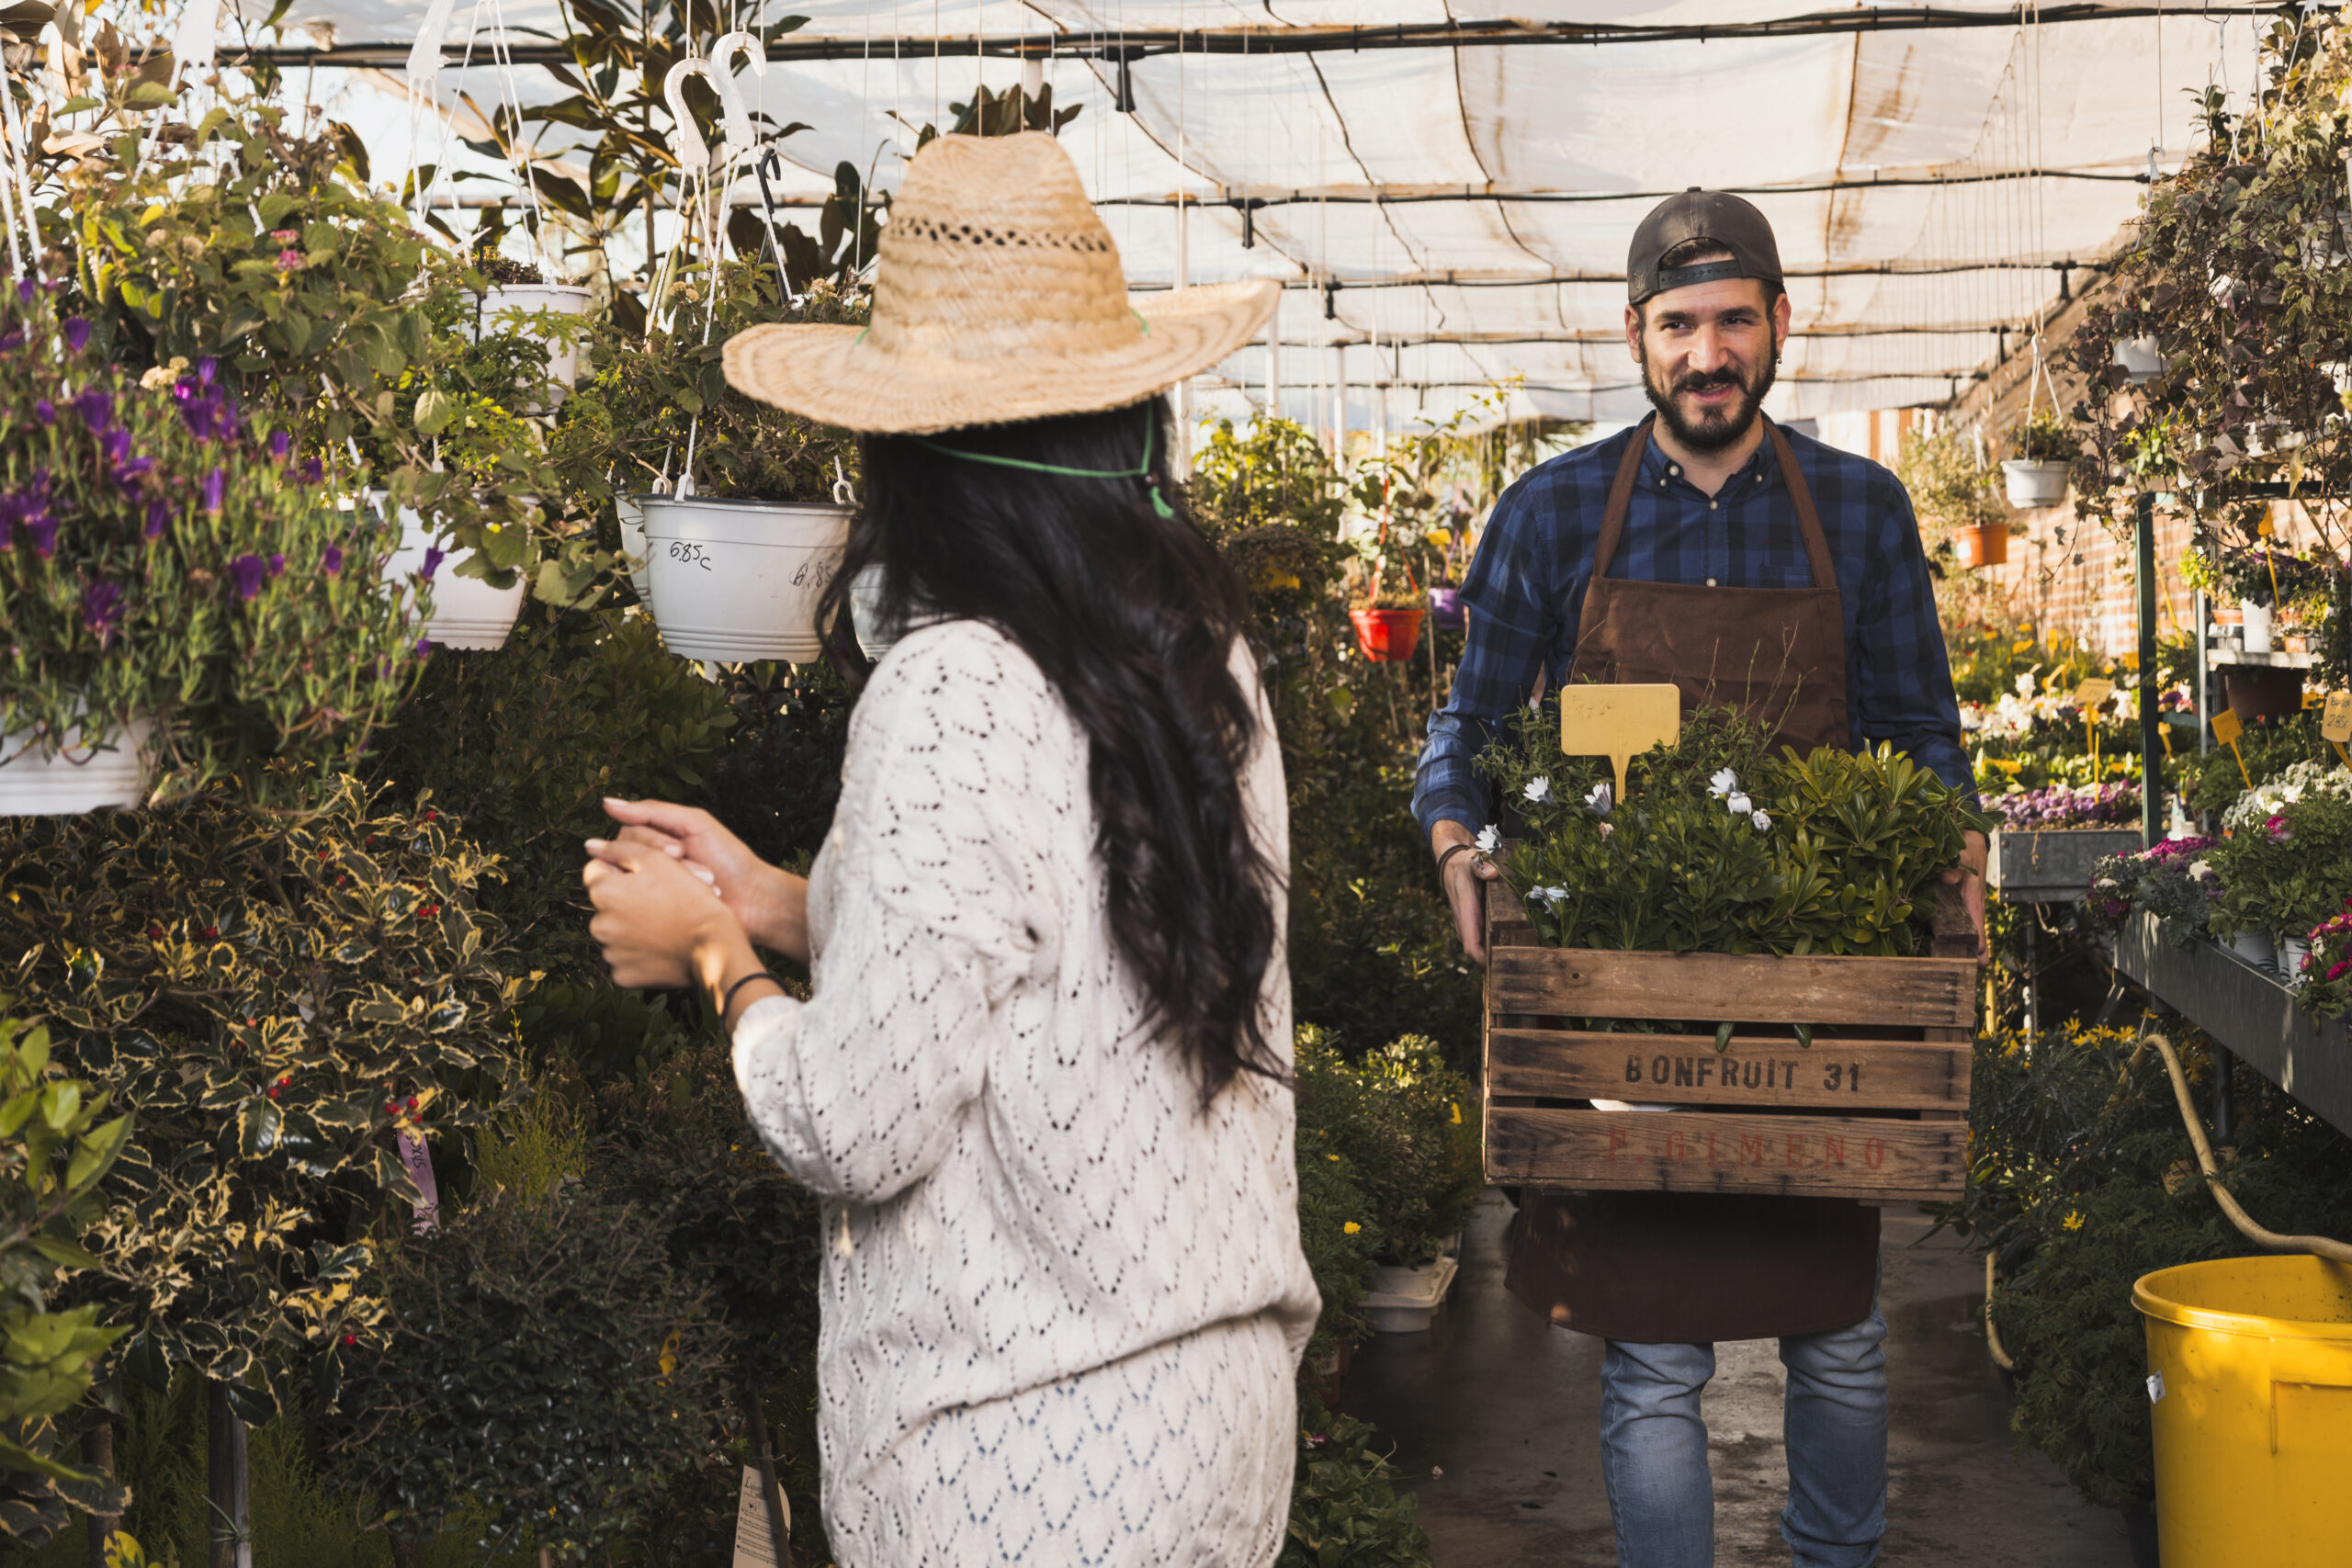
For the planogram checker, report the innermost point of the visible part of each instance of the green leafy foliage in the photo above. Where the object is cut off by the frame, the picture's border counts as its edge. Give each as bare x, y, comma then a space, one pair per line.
524, 745
2284, 877
2081, 1180
1398, 1120
1344, 1511
628, 430
56, 1146
539, 1362
159, 563
1337, 1232
279, 996
1722, 847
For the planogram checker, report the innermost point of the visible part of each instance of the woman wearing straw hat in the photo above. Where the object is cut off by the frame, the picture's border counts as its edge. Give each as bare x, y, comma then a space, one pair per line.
1041, 1078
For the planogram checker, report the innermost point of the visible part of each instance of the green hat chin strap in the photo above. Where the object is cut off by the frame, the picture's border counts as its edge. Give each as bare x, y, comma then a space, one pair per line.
1140, 472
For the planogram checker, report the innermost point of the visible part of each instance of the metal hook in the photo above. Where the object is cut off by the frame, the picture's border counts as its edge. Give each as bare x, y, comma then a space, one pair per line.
844, 494
769, 163
739, 140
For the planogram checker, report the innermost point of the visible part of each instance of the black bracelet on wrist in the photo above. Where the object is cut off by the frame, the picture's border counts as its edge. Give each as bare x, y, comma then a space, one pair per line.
728, 999
1452, 851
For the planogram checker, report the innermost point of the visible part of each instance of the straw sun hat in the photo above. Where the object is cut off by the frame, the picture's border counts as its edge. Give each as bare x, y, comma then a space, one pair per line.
997, 297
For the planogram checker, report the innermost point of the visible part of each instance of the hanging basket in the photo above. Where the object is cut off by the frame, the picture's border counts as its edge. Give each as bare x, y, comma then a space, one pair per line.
738, 581
2141, 358
1984, 544
1387, 637
629, 512
2034, 484
466, 612
81, 777
504, 306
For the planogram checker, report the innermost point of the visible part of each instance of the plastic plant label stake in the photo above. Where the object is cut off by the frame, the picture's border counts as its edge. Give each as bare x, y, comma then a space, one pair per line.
2335, 722
2227, 728
1619, 722
2089, 698
754, 1547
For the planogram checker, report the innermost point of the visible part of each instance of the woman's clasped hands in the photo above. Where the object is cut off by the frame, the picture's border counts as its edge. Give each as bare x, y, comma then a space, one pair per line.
681, 901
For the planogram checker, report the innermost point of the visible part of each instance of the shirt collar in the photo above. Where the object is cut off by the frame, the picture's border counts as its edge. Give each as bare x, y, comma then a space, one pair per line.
1658, 471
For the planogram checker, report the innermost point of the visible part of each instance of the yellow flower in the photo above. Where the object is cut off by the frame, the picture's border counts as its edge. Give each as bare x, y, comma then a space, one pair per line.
2020, 647
1351, 1228
1457, 1115
2074, 1220
1331, 1156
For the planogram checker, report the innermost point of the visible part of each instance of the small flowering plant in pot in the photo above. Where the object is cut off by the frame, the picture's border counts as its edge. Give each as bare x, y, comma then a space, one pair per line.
2174, 880
167, 563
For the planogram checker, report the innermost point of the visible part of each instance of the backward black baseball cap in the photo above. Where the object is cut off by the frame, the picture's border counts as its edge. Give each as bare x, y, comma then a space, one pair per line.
1696, 214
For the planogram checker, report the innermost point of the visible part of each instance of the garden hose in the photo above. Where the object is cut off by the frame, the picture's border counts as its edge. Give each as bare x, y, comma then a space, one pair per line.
2320, 1246
1992, 1334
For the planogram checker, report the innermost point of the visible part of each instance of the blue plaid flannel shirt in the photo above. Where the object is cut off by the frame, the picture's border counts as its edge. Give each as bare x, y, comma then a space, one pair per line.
1525, 592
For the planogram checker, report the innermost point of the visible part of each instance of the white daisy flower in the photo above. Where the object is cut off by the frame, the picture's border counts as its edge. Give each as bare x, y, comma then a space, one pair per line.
1539, 788
1763, 822
1598, 799
1491, 838
1723, 783
1555, 896
1605, 830
1740, 805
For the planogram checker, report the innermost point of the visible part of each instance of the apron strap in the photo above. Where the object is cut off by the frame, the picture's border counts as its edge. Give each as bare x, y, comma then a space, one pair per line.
1816, 544
1612, 516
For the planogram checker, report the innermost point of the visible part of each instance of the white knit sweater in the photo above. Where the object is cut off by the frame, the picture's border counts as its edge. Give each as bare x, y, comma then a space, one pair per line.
1020, 1187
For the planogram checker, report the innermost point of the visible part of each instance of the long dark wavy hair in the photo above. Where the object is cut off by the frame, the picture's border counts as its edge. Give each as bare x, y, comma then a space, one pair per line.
1133, 617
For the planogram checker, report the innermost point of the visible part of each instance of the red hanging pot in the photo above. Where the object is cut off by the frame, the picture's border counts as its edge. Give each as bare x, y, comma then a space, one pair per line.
1387, 637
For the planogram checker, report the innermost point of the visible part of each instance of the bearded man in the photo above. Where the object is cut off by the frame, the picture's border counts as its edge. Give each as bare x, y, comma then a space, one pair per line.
1759, 570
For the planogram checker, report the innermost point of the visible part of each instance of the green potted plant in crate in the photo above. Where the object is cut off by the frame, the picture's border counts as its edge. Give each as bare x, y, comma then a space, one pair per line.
2042, 448
185, 598
737, 509
1396, 1117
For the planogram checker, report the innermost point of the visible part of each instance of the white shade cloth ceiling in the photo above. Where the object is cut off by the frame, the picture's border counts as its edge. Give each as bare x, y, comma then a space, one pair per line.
1365, 160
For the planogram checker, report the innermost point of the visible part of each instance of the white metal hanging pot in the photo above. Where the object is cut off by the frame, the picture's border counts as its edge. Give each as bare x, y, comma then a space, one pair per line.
505, 307
629, 512
2142, 357
467, 612
874, 636
738, 580
87, 774
2034, 484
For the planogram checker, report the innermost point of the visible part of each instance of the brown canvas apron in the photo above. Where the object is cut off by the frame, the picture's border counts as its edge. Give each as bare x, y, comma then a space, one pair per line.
1689, 1268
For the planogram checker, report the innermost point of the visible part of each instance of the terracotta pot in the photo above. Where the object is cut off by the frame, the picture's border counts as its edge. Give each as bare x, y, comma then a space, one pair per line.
1387, 637
2256, 690
1986, 544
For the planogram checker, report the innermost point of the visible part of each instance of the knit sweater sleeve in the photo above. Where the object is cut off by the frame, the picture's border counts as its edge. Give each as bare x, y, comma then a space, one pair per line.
944, 903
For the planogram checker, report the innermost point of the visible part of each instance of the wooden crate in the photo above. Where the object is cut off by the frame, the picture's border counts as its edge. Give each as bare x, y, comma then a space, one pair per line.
1875, 1108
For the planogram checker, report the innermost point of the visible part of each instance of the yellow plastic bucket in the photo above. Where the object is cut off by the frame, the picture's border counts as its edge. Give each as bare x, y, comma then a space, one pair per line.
2250, 1376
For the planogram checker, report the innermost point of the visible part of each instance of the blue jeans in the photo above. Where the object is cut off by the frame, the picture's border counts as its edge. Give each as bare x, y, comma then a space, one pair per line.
1653, 1448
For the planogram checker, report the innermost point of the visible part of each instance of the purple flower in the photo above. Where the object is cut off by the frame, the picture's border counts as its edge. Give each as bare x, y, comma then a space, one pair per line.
276, 566
24, 290
216, 489
77, 334
95, 409
159, 517
280, 444
29, 509
11, 341
423, 647
102, 610
330, 562
247, 572
206, 369
44, 410
312, 471
433, 560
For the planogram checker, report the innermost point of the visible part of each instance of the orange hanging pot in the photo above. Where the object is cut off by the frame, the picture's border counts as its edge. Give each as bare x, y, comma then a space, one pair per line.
1387, 637
1986, 544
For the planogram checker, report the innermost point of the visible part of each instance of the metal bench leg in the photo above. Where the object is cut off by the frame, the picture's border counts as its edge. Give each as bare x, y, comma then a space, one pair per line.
2225, 1098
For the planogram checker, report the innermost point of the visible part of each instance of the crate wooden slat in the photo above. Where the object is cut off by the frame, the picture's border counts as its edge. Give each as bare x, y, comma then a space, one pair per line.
1786, 1118
1912, 1074
1704, 1150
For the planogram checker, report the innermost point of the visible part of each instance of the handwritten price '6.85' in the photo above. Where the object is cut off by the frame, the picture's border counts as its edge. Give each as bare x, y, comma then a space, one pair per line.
692, 554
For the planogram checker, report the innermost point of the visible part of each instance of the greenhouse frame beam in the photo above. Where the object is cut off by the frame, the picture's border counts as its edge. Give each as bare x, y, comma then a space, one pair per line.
1548, 280
1411, 196
1589, 339
1125, 47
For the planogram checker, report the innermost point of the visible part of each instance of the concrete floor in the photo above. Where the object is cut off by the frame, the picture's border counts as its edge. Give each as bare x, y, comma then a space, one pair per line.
1495, 1417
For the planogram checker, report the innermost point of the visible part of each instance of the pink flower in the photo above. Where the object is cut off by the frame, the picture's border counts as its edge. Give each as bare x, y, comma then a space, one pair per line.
289, 261
2337, 973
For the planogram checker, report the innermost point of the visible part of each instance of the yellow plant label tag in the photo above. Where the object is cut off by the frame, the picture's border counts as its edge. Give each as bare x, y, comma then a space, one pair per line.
2093, 692
2227, 727
2336, 717
1619, 722
2265, 528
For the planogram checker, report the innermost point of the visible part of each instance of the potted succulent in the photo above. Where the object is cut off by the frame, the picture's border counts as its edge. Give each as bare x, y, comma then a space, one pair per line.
2044, 445
738, 509
184, 596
